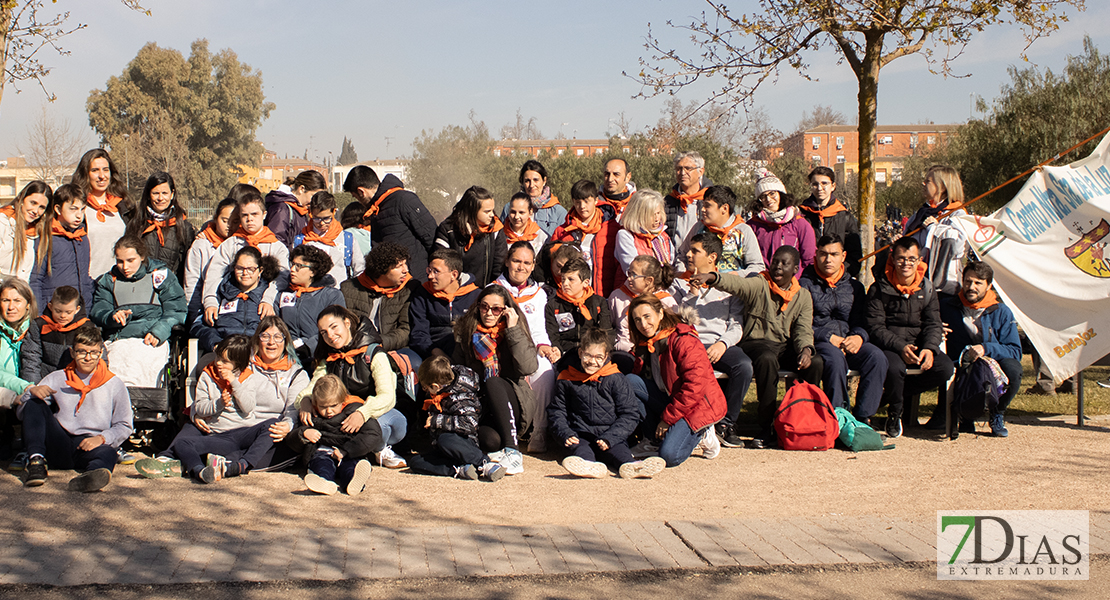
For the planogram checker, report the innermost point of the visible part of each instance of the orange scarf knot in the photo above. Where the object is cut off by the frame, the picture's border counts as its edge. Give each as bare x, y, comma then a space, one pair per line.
579, 301
110, 206
724, 231
658, 337
371, 285
327, 238
50, 326
823, 213
685, 200
588, 227
376, 206
531, 231
918, 277
304, 289
57, 229
224, 384
282, 364
263, 236
788, 294
988, 300
449, 296
573, 374
494, 226
157, 227
296, 206
209, 233
435, 402
833, 279
348, 356
100, 376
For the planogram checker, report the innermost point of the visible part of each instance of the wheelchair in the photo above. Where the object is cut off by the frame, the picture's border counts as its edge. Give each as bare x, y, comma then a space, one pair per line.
160, 411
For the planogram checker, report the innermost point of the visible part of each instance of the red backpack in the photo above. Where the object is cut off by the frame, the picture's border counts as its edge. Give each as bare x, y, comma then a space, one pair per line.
805, 419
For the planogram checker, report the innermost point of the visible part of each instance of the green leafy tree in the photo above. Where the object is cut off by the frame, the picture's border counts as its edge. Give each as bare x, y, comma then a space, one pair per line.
746, 50
348, 156
195, 117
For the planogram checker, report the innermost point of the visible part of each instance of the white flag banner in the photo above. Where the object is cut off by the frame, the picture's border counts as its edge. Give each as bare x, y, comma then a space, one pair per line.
1047, 249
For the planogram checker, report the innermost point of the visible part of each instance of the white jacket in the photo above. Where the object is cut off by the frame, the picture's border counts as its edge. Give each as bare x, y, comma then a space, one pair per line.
533, 308
8, 268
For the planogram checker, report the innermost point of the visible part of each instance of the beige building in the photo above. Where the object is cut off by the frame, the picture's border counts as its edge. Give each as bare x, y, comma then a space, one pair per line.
15, 174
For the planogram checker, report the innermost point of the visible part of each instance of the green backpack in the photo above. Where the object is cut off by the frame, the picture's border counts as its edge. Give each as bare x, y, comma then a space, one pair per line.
857, 436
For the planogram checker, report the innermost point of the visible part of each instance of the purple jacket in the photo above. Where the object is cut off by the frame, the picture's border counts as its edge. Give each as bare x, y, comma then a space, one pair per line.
796, 232
285, 222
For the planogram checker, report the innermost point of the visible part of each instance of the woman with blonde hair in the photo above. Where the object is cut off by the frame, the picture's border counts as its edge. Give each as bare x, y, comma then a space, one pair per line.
943, 244
645, 230
21, 226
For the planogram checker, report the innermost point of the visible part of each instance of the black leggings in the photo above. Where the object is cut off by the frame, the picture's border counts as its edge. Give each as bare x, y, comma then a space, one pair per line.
501, 412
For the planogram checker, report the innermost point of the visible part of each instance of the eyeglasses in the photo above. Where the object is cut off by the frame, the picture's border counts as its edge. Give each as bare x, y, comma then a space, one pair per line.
94, 354
630, 276
298, 266
245, 270
906, 260
277, 337
323, 220
493, 310
594, 357
681, 169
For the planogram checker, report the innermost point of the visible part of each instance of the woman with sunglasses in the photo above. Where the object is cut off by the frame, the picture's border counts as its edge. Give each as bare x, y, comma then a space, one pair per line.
492, 339
310, 291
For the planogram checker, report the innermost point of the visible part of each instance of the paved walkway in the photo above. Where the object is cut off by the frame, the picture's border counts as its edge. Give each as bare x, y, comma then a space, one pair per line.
377, 552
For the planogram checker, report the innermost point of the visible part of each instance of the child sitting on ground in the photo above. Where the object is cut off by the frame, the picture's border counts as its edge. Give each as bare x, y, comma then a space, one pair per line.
335, 458
453, 410
646, 275
50, 336
574, 307
593, 412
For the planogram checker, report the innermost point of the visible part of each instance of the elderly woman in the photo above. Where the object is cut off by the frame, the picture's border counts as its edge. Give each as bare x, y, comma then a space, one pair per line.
645, 230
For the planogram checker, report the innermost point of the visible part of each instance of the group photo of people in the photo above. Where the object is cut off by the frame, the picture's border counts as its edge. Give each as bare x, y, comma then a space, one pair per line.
617, 331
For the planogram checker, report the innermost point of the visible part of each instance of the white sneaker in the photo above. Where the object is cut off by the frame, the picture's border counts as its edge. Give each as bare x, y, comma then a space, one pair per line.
389, 459
513, 461
363, 468
643, 469
645, 449
580, 467
497, 456
709, 444
320, 485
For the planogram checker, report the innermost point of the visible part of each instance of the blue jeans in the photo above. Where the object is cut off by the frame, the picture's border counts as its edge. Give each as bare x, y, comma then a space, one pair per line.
680, 440
872, 366
394, 426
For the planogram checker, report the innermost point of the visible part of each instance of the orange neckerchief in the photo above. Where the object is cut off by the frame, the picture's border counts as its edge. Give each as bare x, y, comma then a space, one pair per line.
328, 237
834, 207
573, 374
531, 231
348, 356
590, 227
627, 292
303, 289
662, 294
494, 226
906, 290
10, 211
686, 199
57, 229
373, 210
618, 205
110, 206
648, 235
658, 337
788, 294
693, 283
371, 285
988, 300
552, 201
833, 279
224, 384
580, 301
301, 210
158, 226
51, 326
283, 364
264, 236
722, 232
100, 376
435, 402
209, 233
448, 296
494, 332
522, 299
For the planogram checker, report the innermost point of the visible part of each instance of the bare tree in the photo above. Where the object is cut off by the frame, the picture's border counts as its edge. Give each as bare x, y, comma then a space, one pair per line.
24, 33
747, 50
623, 125
52, 147
522, 129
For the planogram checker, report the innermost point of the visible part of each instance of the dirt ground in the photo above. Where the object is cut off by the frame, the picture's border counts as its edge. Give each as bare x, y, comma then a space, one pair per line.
1044, 464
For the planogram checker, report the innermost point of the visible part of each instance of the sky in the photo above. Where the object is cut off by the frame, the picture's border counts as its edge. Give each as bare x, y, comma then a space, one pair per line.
380, 72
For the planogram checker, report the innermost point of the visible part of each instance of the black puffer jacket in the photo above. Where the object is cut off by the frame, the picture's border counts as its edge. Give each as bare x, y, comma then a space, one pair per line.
173, 252
394, 323
485, 258
895, 320
843, 224
838, 311
41, 354
356, 376
460, 408
362, 443
403, 219
606, 409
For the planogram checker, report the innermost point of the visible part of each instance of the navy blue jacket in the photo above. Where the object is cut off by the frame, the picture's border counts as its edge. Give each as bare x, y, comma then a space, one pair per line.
433, 321
300, 314
70, 266
605, 409
838, 311
243, 319
1000, 334
403, 219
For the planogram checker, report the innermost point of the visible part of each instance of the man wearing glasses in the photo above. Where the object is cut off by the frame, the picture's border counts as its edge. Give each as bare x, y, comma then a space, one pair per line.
681, 204
903, 316
76, 418
326, 233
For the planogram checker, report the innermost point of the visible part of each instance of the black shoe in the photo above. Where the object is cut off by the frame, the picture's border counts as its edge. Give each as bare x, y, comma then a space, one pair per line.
758, 444
727, 435
34, 474
90, 481
894, 426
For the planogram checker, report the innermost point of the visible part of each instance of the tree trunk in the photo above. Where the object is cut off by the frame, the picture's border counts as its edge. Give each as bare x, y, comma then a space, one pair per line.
6, 9
868, 119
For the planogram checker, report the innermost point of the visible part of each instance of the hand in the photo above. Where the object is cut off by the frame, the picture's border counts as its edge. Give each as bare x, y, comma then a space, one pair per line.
150, 340
228, 400
42, 392
121, 316
279, 430
428, 422
661, 430
975, 352
805, 359
852, 344
926, 360
947, 330
312, 435
210, 315
603, 445
716, 351
91, 443
703, 279
305, 413
203, 426
337, 454
225, 370
546, 352
511, 316
353, 422
265, 309
909, 355
571, 441
837, 341
930, 220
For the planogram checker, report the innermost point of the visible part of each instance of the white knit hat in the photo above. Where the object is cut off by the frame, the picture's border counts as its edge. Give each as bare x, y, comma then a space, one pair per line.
766, 181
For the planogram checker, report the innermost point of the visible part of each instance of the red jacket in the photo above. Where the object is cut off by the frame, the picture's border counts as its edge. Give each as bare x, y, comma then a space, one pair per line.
695, 394
607, 273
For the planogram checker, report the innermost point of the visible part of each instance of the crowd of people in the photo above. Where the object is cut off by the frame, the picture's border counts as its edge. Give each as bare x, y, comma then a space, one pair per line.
621, 335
